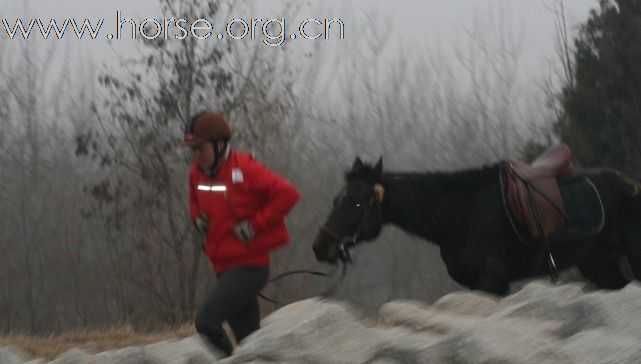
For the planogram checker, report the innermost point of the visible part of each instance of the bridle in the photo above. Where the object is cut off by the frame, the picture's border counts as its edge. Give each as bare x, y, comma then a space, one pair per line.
347, 242
344, 246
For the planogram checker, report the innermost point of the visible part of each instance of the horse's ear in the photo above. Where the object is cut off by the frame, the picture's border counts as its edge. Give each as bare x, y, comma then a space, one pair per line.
378, 169
358, 165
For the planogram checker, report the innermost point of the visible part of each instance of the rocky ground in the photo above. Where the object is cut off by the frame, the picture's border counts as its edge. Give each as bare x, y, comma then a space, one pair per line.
540, 323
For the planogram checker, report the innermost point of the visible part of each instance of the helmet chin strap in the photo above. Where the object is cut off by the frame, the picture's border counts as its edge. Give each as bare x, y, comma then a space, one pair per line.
220, 155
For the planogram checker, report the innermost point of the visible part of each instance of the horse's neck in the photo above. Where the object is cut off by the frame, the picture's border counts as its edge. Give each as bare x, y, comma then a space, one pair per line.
425, 205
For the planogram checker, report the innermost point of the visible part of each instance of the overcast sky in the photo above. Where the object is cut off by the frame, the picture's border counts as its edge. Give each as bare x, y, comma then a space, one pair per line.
416, 23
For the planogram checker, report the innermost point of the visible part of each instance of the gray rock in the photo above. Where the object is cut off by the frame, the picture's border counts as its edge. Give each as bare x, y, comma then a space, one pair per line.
615, 310
541, 289
422, 318
577, 313
491, 341
191, 350
9, 355
541, 323
314, 330
467, 303
603, 346
73, 356
36, 361
130, 355
401, 345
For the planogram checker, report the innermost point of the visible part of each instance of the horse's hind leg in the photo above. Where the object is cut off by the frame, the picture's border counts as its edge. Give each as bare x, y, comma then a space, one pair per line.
630, 225
632, 245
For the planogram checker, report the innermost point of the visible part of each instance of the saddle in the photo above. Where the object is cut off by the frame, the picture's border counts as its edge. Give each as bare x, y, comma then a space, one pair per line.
532, 194
546, 203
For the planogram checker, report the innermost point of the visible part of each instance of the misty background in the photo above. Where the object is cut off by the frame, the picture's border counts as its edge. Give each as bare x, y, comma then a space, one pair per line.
94, 224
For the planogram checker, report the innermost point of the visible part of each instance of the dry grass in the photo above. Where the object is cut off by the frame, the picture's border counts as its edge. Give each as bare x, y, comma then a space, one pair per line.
93, 341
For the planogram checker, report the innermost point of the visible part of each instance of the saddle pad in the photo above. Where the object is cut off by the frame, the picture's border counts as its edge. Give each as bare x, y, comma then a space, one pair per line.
583, 208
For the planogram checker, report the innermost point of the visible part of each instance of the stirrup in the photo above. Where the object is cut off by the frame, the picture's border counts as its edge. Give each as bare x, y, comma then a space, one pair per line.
554, 274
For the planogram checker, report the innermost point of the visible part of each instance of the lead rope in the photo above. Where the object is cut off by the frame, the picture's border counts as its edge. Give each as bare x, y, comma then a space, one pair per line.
326, 293
344, 246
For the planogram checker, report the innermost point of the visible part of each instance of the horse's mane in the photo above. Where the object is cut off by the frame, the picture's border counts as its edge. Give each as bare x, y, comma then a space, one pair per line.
456, 178
367, 173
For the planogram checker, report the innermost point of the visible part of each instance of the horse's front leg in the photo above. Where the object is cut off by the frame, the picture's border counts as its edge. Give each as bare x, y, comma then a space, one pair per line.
492, 277
487, 275
493, 285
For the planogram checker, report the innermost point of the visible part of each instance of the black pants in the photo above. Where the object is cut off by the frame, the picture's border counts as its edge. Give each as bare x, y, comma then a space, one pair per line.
233, 299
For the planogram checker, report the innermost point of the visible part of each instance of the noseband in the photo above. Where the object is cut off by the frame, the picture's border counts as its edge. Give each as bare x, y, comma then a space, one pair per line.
345, 243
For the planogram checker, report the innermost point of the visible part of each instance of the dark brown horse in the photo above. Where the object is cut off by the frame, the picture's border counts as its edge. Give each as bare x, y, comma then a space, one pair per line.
466, 215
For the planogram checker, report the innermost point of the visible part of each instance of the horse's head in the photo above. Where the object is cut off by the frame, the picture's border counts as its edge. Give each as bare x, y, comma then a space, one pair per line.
355, 216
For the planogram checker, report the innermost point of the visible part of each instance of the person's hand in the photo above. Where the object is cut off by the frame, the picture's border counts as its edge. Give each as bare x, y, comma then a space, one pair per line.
202, 223
244, 231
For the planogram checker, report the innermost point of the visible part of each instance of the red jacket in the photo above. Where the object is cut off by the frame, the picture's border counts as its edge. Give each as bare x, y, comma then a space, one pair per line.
242, 189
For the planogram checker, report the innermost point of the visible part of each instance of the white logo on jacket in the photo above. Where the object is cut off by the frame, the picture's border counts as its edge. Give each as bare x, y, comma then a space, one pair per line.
236, 175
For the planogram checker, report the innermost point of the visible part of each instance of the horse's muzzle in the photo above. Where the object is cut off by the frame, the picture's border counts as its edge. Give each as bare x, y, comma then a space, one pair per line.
324, 251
